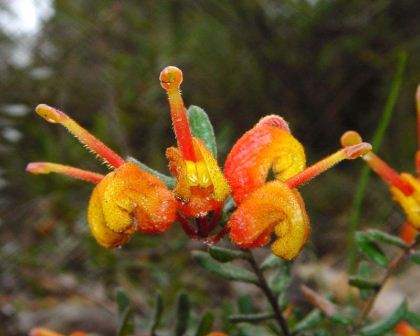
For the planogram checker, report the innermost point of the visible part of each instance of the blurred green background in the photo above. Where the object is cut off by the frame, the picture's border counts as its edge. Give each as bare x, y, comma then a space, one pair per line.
324, 65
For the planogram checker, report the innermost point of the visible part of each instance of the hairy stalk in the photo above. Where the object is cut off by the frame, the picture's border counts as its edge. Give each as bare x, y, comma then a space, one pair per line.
271, 297
393, 265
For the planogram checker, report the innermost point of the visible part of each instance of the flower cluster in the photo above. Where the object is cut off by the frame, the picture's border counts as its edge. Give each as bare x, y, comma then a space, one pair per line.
130, 199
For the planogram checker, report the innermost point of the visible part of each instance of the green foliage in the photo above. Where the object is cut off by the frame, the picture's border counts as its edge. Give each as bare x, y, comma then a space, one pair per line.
126, 314
370, 249
169, 181
205, 325
182, 314
202, 128
224, 270
224, 255
382, 327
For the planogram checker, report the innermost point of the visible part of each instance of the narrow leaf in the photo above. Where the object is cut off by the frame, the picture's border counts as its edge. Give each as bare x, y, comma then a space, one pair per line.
169, 181
122, 300
415, 257
382, 327
340, 319
272, 261
245, 305
126, 323
384, 237
309, 322
182, 314
224, 255
157, 314
281, 282
365, 272
364, 283
226, 271
202, 128
205, 325
250, 317
371, 250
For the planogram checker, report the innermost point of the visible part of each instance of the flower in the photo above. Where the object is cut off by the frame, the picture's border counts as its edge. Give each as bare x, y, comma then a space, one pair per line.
405, 329
201, 186
39, 331
129, 199
404, 187
125, 200
264, 207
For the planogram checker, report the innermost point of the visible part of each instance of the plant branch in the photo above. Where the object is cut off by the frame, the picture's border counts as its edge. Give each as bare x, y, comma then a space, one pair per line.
271, 297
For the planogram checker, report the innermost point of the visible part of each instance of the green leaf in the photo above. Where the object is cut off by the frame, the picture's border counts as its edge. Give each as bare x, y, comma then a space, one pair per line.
224, 255
415, 257
248, 329
251, 317
226, 270
202, 128
281, 280
205, 325
126, 323
122, 300
413, 319
382, 327
384, 237
309, 322
363, 283
245, 305
340, 319
371, 250
272, 261
157, 314
169, 181
365, 272
182, 314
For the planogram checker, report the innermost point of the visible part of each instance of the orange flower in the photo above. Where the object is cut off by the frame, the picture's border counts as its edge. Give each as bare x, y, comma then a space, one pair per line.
404, 329
39, 331
129, 199
264, 207
201, 186
125, 200
404, 187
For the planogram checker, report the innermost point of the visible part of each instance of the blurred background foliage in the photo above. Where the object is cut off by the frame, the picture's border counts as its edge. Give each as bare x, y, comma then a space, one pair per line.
324, 65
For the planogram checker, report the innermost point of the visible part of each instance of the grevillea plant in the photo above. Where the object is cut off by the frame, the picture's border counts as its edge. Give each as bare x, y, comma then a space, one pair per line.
241, 201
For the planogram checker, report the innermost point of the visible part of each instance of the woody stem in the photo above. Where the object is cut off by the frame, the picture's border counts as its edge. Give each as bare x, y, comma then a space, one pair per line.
263, 285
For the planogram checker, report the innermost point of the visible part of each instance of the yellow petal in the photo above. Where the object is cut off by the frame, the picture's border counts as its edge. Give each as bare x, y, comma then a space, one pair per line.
410, 204
100, 231
220, 186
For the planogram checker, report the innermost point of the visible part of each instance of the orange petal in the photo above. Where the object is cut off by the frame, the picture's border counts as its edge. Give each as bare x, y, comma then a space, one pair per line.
264, 147
201, 186
96, 220
274, 206
134, 194
411, 203
211, 169
408, 232
404, 329
39, 331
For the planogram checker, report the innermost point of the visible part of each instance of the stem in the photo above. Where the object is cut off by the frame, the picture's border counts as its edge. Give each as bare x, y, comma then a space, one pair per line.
393, 265
262, 283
